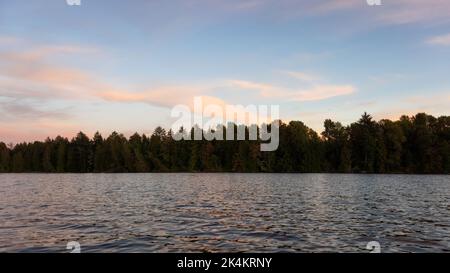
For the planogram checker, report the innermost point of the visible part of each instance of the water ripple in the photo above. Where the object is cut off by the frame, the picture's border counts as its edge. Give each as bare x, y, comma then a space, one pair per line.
224, 212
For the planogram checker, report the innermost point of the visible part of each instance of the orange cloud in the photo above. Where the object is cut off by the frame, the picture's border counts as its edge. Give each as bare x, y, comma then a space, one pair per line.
166, 96
31, 74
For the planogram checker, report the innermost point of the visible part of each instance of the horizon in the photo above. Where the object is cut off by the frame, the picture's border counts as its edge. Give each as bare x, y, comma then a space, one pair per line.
114, 66
128, 135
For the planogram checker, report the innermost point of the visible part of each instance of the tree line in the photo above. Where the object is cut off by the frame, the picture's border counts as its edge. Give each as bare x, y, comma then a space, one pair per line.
417, 144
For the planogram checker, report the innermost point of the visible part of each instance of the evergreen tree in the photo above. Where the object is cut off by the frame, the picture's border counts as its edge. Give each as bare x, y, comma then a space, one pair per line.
418, 144
4, 158
363, 138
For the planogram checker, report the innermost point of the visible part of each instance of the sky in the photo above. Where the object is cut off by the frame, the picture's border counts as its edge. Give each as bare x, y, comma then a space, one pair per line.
113, 65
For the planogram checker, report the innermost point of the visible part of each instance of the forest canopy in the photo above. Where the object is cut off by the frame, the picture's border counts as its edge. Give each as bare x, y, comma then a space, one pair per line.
418, 144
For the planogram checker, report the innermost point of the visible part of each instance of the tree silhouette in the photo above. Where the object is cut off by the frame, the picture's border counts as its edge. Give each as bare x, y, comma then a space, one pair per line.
416, 144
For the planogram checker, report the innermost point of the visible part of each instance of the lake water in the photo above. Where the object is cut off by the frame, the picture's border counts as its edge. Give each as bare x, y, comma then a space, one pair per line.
224, 212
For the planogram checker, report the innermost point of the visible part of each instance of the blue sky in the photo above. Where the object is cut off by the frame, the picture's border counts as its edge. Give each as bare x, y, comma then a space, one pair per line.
122, 65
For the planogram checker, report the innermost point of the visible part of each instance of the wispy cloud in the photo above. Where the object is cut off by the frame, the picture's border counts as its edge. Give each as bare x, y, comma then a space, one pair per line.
441, 40
302, 76
31, 75
322, 92
390, 12
164, 96
26, 75
8, 40
315, 92
412, 11
337, 5
33, 79
37, 93
434, 103
14, 110
248, 85
310, 87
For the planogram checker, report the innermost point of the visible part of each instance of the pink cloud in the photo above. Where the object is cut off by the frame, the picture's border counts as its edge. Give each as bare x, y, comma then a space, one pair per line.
315, 92
250, 85
8, 40
302, 76
411, 11
322, 92
389, 12
442, 40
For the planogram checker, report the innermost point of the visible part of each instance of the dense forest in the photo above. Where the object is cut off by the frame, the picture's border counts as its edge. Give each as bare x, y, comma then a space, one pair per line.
418, 144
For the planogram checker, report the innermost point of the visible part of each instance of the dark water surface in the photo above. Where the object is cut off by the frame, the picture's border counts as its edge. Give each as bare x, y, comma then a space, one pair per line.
224, 212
